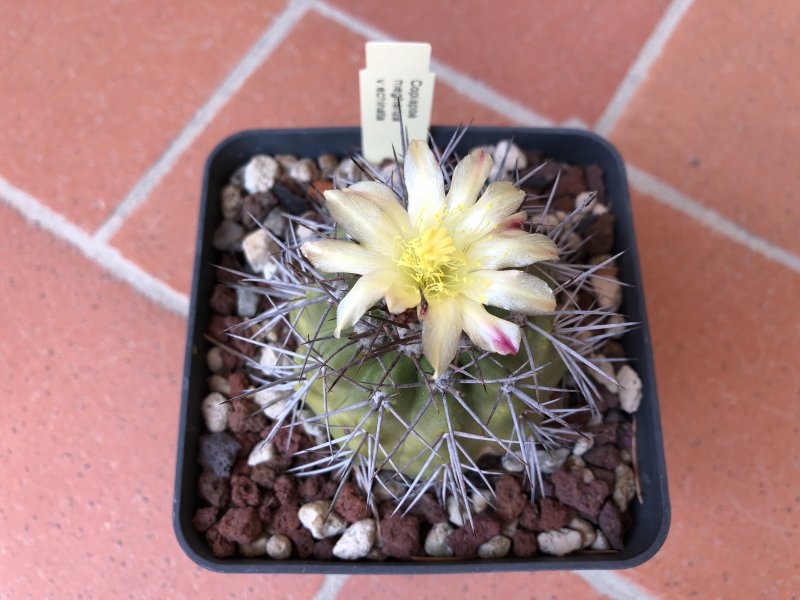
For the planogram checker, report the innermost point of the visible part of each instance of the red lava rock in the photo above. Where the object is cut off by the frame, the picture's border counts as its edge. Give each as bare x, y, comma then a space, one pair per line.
286, 490
400, 537
240, 525
604, 475
220, 325
245, 416
464, 542
230, 361
626, 436
605, 433
255, 209
351, 504
223, 300
614, 349
289, 441
214, 490
220, 547
303, 542
323, 549
587, 498
428, 508
614, 416
605, 456
599, 234
217, 453
594, 182
610, 522
241, 467
285, 519
229, 261
607, 400
572, 181
204, 518
529, 517
244, 491
511, 500
247, 440
386, 509
525, 544
238, 383
312, 488
265, 474
553, 514
543, 178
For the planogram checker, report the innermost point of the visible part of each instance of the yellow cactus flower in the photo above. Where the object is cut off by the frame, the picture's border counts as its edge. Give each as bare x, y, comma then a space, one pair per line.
448, 254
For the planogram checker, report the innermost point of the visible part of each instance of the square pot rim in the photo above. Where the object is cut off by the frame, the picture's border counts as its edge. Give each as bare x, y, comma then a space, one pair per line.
537, 563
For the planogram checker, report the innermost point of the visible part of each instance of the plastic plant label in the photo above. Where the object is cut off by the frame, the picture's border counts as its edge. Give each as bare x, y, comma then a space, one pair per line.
396, 83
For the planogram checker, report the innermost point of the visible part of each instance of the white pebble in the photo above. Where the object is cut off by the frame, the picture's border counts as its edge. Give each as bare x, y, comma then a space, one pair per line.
512, 464
356, 541
580, 201
261, 453
454, 511
553, 460
606, 285
348, 171
260, 173
314, 428
436, 540
497, 547
246, 302
218, 383
312, 516
258, 249
587, 476
624, 486
286, 160
253, 549
272, 401
602, 363
586, 530
630, 392
583, 445
304, 170
625, 456
279, 547
214, 360
600, 541
231, 202
480, 500
215, 412
375, 554
327, 164
559, 542
615, 330
507, 156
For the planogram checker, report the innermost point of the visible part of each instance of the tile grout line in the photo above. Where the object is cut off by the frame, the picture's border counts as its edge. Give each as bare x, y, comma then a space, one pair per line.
330, 587
640, 69
613, 586
275, 33
465, 85
666, 194
110, 259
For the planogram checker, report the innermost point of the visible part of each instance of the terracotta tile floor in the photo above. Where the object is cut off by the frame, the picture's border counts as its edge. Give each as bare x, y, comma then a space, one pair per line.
703, 100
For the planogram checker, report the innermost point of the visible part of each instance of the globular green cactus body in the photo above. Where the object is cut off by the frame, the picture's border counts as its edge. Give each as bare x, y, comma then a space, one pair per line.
395, 378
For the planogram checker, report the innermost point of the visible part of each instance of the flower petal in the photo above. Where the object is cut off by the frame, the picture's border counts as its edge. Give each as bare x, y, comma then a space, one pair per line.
424, 182
487, 331
384, 198
514, 222
512, 249
441, 332
500, 200
468, 178
363, 220
511, 290
368, 290
339, 256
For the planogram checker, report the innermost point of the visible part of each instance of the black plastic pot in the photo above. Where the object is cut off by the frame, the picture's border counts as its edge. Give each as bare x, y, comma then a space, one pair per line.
650, 520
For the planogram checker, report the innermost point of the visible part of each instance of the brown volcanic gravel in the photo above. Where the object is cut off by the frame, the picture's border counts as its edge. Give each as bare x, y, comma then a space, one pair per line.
240, 525
400, 537
510, 497
240, 502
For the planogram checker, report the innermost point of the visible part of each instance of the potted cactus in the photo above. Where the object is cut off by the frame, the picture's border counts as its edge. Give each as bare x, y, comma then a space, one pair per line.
438, 363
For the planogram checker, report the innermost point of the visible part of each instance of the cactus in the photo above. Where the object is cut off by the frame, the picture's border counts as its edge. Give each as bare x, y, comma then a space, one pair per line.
399, 399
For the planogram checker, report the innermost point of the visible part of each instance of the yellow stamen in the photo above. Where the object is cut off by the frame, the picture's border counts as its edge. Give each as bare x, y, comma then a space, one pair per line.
432, 261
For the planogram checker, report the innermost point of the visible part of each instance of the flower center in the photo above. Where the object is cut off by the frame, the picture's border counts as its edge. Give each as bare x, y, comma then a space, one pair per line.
432, 261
